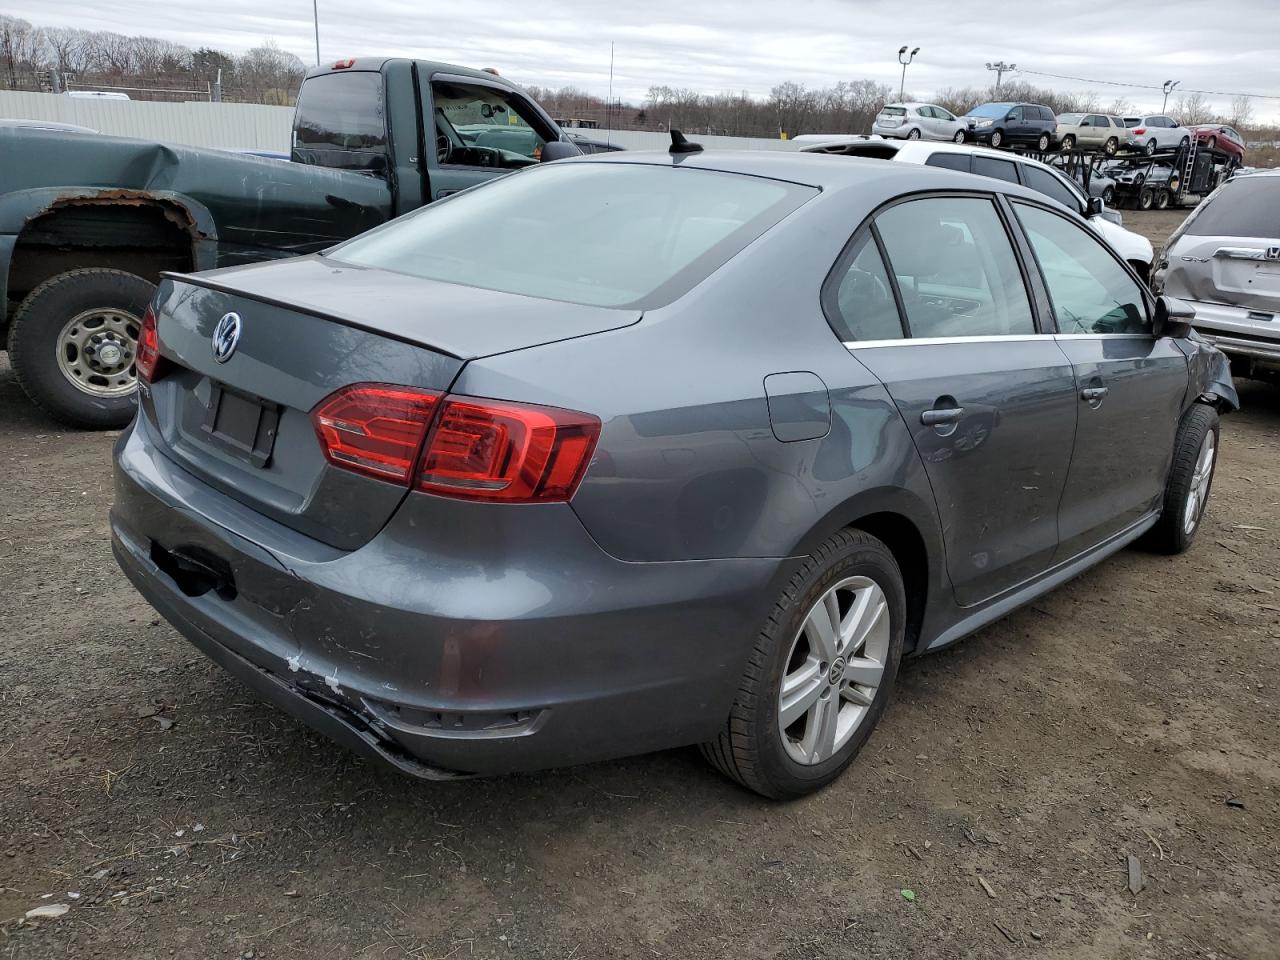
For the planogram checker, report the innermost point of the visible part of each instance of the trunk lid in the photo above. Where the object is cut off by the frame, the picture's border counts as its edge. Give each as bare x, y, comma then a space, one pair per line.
309, 327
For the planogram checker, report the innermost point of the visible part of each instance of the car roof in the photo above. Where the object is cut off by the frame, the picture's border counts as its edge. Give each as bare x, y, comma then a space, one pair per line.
823, 171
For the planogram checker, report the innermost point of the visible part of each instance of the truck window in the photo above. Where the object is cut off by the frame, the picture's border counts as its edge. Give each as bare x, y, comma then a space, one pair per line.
482, 126
340, 122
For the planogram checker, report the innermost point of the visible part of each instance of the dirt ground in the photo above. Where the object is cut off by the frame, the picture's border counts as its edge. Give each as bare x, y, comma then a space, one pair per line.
1130, 713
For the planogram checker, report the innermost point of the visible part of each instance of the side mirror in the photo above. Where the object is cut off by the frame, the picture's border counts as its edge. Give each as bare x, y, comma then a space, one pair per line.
1095, 207
1173, 317
559, 150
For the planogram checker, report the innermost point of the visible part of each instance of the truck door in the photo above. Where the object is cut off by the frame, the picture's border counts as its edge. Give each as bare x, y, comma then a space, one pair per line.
476, 130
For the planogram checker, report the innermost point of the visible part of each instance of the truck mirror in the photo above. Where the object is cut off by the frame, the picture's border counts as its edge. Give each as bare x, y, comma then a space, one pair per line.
559, 150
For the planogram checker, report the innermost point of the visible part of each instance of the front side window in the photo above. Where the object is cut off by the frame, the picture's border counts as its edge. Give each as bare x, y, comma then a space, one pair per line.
955, 268
861, 305
604, 234
340, 122
1015, 114
1090, 291
1042, 181
482, 126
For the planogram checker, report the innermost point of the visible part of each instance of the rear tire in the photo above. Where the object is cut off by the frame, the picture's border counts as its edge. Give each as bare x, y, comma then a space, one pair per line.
43, 335
913, 134
1146, 198
754, 748
1111, 147
1150, 147
1162, 199
1212, 143
1184, 143
1043, 143
1109, 196
1186, 496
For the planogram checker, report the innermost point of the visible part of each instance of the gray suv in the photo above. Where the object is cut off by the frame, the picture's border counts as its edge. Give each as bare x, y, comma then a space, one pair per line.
1225, 258
634, 451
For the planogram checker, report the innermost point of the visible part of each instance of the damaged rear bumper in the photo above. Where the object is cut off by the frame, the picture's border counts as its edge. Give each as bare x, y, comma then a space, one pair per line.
463, 639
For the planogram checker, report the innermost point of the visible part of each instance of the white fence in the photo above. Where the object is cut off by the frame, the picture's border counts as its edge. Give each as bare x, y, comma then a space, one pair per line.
248, 126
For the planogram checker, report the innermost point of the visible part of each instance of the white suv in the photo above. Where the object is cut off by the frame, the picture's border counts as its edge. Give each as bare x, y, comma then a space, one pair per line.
1003, 165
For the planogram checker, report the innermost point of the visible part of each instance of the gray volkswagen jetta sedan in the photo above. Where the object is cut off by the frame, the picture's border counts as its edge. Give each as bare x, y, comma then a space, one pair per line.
638, 451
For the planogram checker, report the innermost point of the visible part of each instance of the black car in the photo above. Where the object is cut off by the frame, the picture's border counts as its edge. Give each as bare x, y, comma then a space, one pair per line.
1001, 124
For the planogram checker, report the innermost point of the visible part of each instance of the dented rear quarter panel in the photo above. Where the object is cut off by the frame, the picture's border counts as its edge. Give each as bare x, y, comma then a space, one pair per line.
238, 208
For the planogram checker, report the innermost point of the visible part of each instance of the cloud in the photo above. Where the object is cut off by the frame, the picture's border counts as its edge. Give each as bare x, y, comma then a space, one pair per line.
749, 45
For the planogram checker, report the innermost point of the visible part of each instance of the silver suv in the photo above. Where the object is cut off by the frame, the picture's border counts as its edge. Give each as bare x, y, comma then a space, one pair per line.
1091, 131
1225, 258
919, 121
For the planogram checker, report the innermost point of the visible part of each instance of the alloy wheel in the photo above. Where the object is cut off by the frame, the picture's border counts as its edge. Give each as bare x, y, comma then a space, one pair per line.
835, 666
1198, 492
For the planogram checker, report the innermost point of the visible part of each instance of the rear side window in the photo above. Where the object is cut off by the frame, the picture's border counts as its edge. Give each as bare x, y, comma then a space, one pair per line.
605, 234
1042, 181
1245, 207
340, 122
1097, 120
950, 161
995, 167
859, 300
955, 268
1090, 291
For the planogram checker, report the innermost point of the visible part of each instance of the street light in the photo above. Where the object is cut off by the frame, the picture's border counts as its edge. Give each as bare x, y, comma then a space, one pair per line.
1001, 68
1167, 87
315, 16
905, 58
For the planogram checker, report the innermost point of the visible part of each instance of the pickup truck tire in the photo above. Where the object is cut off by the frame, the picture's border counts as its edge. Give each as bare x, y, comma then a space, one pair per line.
56, 343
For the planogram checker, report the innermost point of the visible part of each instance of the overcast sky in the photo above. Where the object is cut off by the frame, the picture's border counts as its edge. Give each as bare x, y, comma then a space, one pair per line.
750, 45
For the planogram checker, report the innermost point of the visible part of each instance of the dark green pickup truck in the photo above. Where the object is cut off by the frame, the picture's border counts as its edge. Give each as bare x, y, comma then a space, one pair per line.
87, 223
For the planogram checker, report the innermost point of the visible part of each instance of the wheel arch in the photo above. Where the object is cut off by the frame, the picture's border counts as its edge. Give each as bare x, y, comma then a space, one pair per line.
908, 527
48, 231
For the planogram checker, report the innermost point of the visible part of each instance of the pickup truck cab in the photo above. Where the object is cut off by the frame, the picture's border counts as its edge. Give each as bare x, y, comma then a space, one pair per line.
87, 224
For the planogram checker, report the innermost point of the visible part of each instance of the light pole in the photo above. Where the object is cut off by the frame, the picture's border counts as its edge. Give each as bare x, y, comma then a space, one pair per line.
1001, 68
1167, 87
315, 16
905, 58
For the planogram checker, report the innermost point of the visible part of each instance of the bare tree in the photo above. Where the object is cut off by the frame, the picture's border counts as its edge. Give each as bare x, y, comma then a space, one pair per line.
1194, 108
1241, 112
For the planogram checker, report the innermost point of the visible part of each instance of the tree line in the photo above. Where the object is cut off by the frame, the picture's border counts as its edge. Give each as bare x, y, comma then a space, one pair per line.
56, 59
60, 58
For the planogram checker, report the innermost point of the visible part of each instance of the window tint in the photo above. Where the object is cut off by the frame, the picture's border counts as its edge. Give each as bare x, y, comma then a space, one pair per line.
994, 167
1090, 291
340, 122
1042, 181
863, 304
1097, 120
1245, 207
950, 161
955, 268
480, 126
608, 234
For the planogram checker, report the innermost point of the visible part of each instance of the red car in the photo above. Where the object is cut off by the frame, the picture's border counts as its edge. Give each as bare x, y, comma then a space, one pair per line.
1221, 138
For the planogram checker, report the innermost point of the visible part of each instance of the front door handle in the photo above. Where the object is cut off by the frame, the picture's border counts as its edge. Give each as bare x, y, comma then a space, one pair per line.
1094, 394
935, 417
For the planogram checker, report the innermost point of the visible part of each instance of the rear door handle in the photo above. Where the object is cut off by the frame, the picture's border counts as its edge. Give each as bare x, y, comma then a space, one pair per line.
1094, 394
932, 418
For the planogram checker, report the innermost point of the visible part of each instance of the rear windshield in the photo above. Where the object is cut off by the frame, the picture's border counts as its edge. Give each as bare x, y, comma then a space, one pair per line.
990, 110
1133, 121
1245, 207
894, 111
604, 234
340, 123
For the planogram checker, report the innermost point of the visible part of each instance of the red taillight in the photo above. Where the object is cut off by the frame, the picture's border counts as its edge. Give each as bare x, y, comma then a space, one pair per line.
462, 447
147, 359
513, 452
1139, 131
346, 64
375, 428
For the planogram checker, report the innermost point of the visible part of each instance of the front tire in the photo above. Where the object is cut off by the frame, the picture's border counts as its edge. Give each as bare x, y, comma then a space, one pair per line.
1068, 143
1195, 457
959, 137
1146, 199
821, 672
72, 345
997, 139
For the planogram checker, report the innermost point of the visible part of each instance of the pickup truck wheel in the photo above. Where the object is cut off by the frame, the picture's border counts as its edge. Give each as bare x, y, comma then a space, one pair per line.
72, 344
1186, 495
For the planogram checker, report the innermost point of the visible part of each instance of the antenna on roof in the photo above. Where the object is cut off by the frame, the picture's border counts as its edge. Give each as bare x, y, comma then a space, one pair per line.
680, 145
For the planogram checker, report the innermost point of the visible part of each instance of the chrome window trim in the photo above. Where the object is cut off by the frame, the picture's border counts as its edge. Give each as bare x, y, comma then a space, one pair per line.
994, 338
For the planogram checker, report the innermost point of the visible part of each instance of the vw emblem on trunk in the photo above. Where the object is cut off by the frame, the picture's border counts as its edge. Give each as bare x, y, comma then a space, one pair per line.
226, 337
